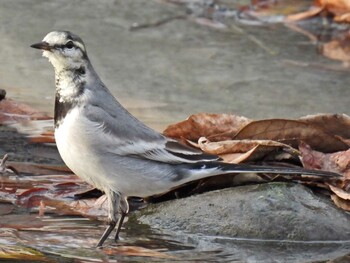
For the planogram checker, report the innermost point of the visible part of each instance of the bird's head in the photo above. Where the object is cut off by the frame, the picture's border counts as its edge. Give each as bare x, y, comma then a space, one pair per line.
64, 50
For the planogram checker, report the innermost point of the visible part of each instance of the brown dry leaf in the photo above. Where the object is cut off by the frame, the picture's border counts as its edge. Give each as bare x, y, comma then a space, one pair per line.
337, 50
237, 157
340, 192
42, 139
236, 151
341, 203
135, 251
205, 125
344, 18
237, 146
63, 204
52, 193
339, 8
292, 132
47, 136
338, 162
39, 169
335, 7
12, 111
273, 8
304, 15
336, 124
59, 199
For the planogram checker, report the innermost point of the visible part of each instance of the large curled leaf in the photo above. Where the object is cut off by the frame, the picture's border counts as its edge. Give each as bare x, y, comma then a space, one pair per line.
206, 125
292, 132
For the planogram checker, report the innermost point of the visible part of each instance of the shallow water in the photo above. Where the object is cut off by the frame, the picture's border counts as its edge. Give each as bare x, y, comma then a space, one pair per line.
162, 75
64, 239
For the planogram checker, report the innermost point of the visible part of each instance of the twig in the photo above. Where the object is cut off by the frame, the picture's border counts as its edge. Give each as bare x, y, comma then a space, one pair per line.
157, 23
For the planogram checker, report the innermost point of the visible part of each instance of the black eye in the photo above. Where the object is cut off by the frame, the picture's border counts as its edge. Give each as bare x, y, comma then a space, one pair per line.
69, 44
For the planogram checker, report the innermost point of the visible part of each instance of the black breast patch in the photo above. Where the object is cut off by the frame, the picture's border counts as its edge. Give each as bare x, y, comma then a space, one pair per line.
62, 108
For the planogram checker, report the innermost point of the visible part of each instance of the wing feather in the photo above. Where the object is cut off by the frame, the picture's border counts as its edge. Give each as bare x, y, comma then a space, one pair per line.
124, 135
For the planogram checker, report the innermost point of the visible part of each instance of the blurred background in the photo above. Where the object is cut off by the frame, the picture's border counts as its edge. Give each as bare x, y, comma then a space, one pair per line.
166, 60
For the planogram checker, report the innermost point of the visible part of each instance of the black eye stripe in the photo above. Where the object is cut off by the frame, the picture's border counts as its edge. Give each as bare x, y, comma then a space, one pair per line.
69, 44
65, 46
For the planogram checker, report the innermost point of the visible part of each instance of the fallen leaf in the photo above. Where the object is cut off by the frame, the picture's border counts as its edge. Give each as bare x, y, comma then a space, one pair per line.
337, 49
205, 125
313, 11
340, 9
341, 203
57, 193
236, 157
42, 139
340, 192
343, 18
236, 151
271, 11
291, 132
335, 7
336, 124
39, 169
338, 162
12, 111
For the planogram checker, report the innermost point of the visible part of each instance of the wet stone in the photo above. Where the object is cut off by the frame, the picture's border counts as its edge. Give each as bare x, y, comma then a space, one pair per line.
278, 211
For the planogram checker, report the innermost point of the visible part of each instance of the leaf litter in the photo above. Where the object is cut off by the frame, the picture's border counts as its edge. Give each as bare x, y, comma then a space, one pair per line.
316, 142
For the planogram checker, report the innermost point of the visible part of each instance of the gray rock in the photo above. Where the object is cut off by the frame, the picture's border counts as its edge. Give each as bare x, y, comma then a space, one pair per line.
278, 211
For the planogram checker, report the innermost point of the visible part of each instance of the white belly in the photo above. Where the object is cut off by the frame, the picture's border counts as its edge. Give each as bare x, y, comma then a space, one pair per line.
75, 149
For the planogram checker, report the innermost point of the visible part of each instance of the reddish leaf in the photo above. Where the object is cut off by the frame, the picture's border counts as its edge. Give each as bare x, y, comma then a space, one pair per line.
12, 111
206, 125
39, 169
42, 139
338, 162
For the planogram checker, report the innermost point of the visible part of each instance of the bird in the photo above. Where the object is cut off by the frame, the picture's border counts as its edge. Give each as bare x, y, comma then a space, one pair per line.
109, 148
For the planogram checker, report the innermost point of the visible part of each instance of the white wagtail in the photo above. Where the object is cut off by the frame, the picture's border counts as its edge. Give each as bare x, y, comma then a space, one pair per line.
100, 141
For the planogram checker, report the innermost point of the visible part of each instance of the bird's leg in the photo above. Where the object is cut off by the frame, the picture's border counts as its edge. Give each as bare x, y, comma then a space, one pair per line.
106, 234
124, 210
113, 202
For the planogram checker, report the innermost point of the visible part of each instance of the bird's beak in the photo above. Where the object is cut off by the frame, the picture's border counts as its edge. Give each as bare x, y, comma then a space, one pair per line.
42, 46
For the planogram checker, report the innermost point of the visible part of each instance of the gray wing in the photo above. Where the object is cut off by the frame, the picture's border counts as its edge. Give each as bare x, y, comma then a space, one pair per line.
125, 135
